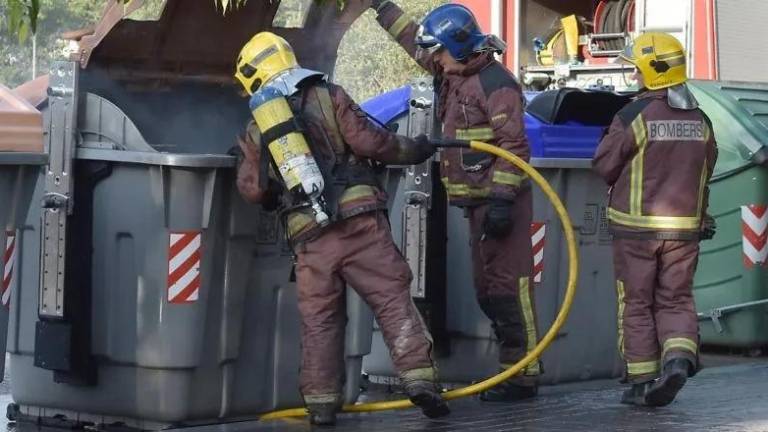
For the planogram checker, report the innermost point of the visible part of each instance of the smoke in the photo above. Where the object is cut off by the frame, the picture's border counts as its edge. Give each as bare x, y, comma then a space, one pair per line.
176, 117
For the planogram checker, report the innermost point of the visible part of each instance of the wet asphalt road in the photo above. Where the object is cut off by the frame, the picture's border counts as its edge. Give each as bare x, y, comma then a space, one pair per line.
731, 398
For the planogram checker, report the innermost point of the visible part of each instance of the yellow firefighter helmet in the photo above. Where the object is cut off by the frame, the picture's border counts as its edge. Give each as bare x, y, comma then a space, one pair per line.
659, 57
262, 58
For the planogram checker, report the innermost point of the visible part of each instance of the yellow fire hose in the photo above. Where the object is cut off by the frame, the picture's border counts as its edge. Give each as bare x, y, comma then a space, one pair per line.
573, 271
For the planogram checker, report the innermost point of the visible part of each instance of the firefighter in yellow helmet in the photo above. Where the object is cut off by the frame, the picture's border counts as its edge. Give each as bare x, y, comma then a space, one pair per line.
318, 153
657, 158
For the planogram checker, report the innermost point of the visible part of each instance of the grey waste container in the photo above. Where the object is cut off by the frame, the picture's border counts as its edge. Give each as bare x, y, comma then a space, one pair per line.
586, 346
18, 175
192, 315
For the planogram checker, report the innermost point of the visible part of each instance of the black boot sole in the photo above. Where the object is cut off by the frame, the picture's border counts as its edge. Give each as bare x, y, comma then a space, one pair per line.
665, 391
431, 406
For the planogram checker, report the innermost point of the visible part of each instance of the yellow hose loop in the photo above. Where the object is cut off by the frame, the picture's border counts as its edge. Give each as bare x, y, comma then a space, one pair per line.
573, 275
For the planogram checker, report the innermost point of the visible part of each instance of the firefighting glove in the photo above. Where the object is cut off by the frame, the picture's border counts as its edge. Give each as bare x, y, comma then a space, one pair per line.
498, 220
423, 149
708, 228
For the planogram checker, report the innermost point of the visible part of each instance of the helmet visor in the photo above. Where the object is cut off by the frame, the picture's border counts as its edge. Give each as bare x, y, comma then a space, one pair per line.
426, 41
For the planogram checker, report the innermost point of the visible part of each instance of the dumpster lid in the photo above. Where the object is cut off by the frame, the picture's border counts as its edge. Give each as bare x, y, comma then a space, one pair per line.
388, 106
576, 105
739, 113
21, 125
35, 92
194, 38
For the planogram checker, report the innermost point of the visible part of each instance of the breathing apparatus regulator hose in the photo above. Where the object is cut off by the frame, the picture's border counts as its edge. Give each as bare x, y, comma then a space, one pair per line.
573, 271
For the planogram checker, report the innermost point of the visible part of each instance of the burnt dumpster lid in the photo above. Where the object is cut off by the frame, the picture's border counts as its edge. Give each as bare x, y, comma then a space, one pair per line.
739, 114
21, 125
194, 38
35, 92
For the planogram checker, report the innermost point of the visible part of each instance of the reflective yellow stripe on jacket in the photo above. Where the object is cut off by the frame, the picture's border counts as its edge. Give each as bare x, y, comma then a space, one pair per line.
654, 222
636, 174
303, 220
399, 25
464, 190
477, 134
635, 218
508, 178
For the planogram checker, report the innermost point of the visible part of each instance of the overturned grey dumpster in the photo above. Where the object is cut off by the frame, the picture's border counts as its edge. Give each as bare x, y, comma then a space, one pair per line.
21, 158
150, 294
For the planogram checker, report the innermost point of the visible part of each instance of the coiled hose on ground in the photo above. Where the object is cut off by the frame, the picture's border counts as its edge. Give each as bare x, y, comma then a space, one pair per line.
573, 270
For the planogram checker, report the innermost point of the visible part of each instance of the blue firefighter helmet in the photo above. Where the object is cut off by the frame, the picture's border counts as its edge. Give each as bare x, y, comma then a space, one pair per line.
454, 28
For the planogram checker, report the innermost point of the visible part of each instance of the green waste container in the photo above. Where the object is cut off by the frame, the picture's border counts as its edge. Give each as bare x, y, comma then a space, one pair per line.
731, 284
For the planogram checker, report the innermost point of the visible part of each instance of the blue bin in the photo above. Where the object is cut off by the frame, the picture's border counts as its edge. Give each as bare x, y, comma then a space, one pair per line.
568, 140
552, 132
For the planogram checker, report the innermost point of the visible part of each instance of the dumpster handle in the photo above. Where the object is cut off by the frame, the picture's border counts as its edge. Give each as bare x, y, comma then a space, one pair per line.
573, 271
715, 314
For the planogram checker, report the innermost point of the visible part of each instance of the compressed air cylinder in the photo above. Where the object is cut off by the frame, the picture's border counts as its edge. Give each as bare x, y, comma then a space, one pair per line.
289, 150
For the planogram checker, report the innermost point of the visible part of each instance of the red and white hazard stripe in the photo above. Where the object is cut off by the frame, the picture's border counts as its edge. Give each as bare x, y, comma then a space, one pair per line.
538, 231
9, 262
184, 267
754, 227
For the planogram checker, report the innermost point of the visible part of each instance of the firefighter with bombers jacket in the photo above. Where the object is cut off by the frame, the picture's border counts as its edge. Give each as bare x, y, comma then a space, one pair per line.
657, 158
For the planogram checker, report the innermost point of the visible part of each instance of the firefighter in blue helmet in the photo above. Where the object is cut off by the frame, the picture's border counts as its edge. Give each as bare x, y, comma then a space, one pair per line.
479, 99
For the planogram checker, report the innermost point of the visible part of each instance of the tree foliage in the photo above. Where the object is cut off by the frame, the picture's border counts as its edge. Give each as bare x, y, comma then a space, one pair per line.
54, 18
21, 16
370, 62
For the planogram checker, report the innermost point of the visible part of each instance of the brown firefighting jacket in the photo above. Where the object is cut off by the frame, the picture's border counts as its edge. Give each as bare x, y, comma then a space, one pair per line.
343, 141
485, 103
657, 161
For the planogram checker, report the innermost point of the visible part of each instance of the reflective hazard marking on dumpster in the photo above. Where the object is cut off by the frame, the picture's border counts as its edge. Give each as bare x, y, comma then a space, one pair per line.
538, 231
184, 267
9, 261
754, 226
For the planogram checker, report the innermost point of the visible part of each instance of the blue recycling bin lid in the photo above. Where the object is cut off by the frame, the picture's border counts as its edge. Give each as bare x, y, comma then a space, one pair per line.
565, 139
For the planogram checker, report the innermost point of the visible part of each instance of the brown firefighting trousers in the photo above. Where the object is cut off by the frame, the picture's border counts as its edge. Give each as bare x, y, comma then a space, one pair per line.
656, 313
502, 269
360, 252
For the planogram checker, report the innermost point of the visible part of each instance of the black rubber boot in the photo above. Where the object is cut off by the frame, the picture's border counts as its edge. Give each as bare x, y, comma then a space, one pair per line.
509, 392
635, 395
426, 395
673, 377
322, 414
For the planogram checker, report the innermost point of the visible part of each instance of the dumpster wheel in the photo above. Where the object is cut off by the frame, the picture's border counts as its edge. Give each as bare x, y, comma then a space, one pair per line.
573, 273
